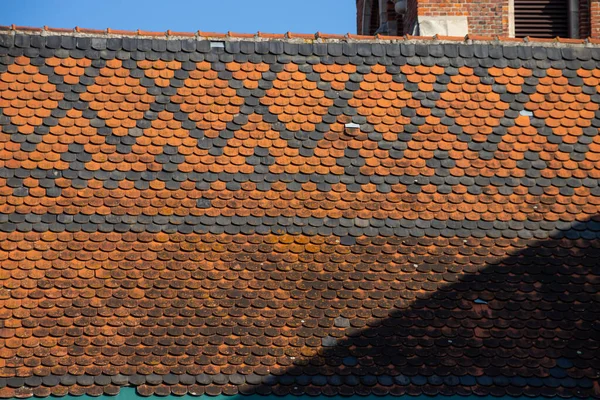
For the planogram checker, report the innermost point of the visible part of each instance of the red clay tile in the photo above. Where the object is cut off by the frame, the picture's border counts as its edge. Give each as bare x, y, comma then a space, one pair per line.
439, 187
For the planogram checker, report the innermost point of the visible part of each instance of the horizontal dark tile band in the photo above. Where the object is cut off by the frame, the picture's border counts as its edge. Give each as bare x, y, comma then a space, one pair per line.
560, 378
537, 51
340, 227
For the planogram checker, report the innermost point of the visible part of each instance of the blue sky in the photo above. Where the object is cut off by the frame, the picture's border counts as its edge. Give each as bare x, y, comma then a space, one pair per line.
242, 16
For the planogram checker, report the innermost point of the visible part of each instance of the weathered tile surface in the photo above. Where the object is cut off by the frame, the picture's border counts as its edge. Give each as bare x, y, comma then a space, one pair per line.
286, 216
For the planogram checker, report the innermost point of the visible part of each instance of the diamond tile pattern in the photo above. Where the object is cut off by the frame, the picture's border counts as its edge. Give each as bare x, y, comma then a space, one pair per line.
188, 218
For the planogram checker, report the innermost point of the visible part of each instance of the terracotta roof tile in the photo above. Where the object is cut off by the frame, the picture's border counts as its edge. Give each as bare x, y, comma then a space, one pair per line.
308, 214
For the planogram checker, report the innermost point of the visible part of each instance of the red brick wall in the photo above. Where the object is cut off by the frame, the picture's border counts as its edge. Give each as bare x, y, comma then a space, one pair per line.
584, 18
438, 8
595, 18
488, 17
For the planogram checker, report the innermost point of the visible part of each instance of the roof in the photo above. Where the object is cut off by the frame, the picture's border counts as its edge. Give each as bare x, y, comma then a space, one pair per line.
306, 216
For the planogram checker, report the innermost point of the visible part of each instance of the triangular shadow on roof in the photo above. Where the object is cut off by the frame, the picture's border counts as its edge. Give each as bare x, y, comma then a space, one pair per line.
520, 324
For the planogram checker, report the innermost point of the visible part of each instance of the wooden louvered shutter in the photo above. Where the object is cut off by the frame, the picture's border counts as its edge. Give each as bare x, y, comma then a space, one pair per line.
541, 18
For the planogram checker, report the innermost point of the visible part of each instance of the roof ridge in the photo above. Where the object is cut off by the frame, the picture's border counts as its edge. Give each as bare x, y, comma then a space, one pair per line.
318, 36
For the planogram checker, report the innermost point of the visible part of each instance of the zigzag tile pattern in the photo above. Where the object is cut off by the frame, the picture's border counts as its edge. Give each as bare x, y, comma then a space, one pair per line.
282, 216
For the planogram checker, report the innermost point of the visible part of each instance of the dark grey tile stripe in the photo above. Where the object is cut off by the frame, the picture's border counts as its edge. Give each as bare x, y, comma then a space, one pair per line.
70, 100
171, 157
304, 141
578, 150
29, 143
294, 225
269, 380
76, 156
124, 144
263, 181
354, 180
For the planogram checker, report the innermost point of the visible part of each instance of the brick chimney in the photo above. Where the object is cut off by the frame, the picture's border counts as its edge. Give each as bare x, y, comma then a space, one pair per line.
508, 18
